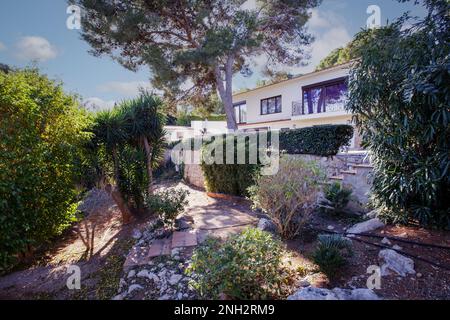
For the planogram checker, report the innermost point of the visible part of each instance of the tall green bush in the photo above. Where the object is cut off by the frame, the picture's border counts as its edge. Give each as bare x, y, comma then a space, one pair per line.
399, 89
42, 131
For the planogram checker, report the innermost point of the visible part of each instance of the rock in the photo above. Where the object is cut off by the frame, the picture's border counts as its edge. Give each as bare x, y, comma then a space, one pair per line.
164, 297
134, 287
137, 234
396, 247
174, 279
149, 275
304, 283
366, 226
180, 296
182, 223
118, 297
330, 228
175, 252
267, 225
395, 262
386, 241
372, 214
131, 274
419, 275
355, 294
312, 293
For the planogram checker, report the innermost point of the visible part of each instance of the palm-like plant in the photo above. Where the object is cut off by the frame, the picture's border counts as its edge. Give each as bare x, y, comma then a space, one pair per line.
144, 126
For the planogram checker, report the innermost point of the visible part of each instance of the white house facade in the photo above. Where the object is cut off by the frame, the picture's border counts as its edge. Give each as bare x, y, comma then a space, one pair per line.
312, 99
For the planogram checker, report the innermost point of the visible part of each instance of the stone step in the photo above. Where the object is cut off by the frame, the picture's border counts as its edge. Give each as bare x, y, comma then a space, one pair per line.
182, 239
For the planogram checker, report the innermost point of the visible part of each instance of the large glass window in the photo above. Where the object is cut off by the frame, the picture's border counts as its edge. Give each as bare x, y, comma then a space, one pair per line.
326, 97
271, 105
240, 111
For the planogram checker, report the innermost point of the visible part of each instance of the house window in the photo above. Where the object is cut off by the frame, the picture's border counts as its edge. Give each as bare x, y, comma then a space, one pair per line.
240, 111
271, 105
327, 96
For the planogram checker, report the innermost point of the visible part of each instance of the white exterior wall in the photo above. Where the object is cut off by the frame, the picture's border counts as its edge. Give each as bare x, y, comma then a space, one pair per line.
290, 91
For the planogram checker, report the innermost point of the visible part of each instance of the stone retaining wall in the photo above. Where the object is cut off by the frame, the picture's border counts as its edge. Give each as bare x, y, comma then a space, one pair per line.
349, 168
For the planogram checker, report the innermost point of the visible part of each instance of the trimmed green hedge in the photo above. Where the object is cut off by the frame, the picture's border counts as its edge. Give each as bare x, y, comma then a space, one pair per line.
324, 140
233, 179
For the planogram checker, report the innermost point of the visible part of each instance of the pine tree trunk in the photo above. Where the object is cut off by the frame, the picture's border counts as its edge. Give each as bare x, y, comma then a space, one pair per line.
117, 195
149, 154
226, 91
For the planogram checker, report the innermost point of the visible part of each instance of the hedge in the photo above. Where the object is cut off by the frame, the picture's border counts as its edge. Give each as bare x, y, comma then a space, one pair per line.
323, 140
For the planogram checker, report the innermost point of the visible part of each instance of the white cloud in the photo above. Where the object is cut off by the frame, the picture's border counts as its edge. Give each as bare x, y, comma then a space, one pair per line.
2, 46
98, 104
35, 48
128, 89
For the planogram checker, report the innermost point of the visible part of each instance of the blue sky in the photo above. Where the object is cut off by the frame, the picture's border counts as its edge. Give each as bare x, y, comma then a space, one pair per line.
33, 30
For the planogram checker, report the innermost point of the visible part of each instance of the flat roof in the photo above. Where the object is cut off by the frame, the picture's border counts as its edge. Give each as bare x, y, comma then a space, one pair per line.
339, 66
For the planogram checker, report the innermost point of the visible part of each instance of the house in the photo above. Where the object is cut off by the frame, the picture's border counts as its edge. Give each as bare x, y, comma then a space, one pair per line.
197, 129
311, 99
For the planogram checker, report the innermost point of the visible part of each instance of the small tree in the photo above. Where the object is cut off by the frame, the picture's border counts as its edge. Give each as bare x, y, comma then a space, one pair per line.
194, 48
399, 89
131, 137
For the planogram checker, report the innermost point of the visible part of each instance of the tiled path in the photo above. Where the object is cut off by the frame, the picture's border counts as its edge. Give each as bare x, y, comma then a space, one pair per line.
217, 217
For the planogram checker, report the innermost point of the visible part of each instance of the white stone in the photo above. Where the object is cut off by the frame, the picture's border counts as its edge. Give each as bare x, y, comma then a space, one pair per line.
180, 296
165, 297
366, 226
118, 297
395, 262
330, 227
174, 279
396, 247
372, 214
386, 241
312, 293
131, 274
134, 287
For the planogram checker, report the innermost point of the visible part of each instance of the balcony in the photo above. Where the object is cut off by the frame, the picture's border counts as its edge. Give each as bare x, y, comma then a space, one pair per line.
331, 109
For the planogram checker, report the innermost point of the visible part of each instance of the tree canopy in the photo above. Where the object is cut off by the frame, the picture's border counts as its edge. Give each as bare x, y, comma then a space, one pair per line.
399, 91
194, 48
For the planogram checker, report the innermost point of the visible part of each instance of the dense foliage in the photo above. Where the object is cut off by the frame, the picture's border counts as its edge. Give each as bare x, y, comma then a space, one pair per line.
246, 266
399, 89
42, 133
193, 48
233, 179
288, 197
324, 140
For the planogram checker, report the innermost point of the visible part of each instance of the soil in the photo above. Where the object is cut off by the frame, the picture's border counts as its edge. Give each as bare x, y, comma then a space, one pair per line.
101, 266
45, 276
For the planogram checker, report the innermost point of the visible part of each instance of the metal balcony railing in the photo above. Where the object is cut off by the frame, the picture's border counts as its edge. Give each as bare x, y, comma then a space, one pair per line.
298, 110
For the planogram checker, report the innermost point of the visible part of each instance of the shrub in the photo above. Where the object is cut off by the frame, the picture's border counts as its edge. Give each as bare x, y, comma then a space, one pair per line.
331, 252
399, 91
42, 134
246, 266
289, 196
336, 198
324, 140
168, 204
